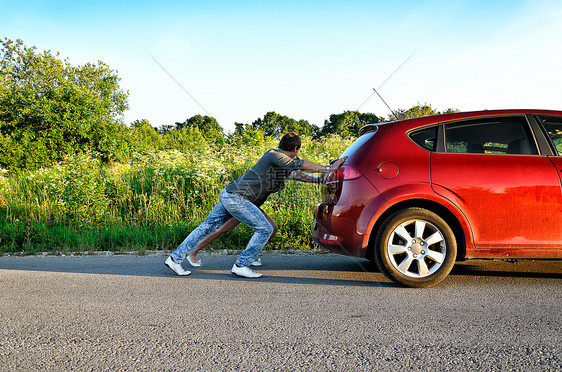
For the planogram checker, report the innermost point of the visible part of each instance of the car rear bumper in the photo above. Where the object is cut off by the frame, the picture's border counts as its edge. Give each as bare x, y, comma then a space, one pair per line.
347, 242
335, 226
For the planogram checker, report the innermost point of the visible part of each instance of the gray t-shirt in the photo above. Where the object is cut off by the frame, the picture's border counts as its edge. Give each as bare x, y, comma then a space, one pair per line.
266, 176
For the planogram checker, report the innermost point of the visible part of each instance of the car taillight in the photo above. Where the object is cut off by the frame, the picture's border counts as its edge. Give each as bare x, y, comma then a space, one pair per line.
344, 173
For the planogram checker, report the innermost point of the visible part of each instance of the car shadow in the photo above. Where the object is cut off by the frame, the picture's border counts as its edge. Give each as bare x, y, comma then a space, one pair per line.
322, 269
506, 269
327, 269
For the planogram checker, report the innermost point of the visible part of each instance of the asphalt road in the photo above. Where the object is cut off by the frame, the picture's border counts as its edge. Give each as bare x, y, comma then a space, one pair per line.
309, 312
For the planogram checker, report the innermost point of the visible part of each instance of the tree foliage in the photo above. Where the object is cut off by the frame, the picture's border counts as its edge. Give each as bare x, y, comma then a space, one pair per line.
246, 134
275, 125
145, 137
50, 108
207, 126
348, 123
419, 111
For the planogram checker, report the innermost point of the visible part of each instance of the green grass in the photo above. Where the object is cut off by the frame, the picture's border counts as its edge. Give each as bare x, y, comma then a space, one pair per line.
150, 202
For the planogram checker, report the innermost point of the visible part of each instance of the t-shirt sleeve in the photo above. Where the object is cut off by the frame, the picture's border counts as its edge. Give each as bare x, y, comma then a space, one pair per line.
284, 161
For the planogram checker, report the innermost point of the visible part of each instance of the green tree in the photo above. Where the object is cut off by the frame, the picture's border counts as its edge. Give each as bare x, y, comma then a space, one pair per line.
348, 123
417, 111
247, 135
275, 125
450, 111
189, 140
145, 136
50, 108
207, 126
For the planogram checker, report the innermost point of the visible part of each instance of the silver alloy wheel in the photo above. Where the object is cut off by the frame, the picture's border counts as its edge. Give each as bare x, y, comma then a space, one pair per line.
416, 248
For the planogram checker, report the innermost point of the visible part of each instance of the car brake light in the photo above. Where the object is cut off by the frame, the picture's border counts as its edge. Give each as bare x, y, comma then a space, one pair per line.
347, 172
344, 173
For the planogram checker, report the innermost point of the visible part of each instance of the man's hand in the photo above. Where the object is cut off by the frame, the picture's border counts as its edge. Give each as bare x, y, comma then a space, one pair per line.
338, 163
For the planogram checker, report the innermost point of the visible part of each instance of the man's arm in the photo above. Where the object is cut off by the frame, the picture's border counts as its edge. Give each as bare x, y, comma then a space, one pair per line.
304, 177
317, 168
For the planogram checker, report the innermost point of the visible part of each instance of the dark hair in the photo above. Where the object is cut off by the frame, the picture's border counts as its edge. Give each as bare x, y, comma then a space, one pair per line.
290, 141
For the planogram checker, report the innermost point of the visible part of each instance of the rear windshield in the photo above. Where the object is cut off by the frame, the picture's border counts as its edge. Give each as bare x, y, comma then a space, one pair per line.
358, 143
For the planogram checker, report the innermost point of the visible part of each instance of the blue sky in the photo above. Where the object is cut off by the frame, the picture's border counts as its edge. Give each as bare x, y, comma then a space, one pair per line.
306, 59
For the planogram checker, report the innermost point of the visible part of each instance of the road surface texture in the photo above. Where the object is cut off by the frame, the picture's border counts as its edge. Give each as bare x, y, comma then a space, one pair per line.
314, 312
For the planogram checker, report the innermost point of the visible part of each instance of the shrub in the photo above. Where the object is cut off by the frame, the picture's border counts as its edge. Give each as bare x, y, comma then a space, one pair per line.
150, 202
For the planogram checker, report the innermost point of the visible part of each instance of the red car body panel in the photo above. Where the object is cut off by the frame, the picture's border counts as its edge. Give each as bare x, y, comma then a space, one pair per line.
510, 203
502, 206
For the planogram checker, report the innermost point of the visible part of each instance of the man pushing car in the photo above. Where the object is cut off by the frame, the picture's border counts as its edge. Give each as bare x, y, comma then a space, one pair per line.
242, 198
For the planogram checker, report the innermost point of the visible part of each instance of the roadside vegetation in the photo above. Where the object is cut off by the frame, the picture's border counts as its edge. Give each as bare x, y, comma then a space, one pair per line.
75, 177
150, 202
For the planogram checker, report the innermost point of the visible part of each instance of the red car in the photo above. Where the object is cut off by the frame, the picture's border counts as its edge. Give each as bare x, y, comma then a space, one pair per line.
417, 195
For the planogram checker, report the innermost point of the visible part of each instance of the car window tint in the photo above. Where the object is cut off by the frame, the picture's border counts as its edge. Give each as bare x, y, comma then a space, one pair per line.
509, 135
358, 143
553, 126
425, 138
458, 146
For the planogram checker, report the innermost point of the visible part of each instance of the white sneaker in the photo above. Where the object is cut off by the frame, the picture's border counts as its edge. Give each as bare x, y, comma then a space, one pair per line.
244, 271
257, 262
194, 264
176, 267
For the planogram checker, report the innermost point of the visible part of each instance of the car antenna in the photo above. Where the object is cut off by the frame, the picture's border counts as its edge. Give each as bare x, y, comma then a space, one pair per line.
391, 110
383, 83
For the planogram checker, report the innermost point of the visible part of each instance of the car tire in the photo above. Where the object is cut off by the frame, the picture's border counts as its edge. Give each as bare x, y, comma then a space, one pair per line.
415, 248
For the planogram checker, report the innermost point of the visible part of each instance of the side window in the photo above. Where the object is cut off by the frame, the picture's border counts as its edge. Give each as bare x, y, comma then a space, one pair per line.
509, 135
425, 138
553, 126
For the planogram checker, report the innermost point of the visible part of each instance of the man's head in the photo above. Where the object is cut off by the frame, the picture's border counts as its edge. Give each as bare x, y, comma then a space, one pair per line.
290, 142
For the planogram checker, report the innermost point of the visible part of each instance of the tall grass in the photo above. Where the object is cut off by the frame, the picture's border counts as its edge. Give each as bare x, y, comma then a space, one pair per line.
150, 202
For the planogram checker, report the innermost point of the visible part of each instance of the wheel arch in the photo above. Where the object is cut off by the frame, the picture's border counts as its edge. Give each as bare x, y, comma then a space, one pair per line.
430, 205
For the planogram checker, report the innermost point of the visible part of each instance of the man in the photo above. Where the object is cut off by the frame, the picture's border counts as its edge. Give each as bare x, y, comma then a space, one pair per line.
240, 199
233, 222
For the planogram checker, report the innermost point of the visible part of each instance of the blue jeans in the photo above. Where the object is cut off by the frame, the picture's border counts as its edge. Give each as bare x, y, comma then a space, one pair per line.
230, 205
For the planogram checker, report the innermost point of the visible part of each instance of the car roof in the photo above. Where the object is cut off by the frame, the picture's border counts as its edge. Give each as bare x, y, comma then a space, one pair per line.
476, 114
434, 119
